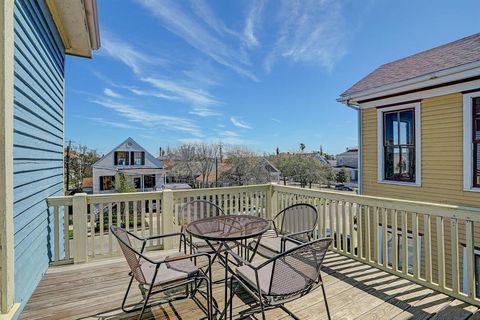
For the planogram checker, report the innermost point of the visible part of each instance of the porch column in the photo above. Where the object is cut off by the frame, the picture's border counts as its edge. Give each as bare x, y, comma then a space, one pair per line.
7, 254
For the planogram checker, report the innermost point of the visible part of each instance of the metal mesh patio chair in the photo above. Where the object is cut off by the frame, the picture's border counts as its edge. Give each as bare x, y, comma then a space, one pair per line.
192, 211
156, 276
296, 225
283, 278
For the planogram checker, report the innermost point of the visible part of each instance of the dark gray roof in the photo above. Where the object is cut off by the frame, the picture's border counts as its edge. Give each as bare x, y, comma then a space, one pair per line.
453, 54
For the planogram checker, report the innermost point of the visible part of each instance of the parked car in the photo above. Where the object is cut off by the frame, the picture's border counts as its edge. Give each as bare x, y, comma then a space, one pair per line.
343, 187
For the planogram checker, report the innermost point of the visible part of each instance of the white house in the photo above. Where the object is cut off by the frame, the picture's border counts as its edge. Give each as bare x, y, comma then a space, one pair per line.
143, 170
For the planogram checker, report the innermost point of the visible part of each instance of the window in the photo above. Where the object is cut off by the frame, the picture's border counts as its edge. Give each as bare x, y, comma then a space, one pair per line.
399, 144
138, 158
137, 182
121, 158
149, 181
399, 248
471, 141
107, 183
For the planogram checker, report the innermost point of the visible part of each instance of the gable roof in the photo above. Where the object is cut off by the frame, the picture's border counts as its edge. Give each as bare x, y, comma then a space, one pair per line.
450, 55
136, 147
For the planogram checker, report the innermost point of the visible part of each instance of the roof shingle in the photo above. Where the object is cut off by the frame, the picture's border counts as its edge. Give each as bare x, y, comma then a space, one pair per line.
453, 54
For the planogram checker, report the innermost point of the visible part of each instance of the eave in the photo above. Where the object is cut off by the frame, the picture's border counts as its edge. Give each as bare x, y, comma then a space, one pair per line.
77, 25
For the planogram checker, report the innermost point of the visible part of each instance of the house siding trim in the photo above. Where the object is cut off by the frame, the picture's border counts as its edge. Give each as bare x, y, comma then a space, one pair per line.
418, 145
467, 142
7, 254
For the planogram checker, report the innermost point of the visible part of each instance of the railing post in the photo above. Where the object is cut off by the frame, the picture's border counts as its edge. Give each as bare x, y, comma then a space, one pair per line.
168, 208
80, 249
272, 201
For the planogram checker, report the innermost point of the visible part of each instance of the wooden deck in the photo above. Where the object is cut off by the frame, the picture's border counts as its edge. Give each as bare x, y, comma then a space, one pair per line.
354, 291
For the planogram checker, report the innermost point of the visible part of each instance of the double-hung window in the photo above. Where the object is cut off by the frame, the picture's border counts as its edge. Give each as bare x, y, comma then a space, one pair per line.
399, 144
471, 141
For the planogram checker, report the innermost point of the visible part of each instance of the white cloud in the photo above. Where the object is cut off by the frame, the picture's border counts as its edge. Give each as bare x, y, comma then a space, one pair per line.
276, 120
251, 22
239, 123
114, 124
311, 31
150, 119
111, 93
124, 52
188, 28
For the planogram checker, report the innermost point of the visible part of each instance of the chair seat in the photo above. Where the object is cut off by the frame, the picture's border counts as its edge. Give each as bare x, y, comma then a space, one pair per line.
169, 271
272, 245
293, 280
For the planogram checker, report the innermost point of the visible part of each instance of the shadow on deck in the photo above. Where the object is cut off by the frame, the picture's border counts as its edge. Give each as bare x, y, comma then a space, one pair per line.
354, 290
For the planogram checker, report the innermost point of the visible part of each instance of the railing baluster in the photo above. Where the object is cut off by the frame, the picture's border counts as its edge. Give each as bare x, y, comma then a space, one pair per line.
470, 241
360, 214
142, 217
337, 225
394, 240
375, 235
110, 223
56, 233
158, 214
384, 214
92, 228
428, 247
405, 261
126, 212
150, 219
101, 240
351, 222
135, 218
454, 242
440, 251
368, 235
66, 231
416, 269
344, 226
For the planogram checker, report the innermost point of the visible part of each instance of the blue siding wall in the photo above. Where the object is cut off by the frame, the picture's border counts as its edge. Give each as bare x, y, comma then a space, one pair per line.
38, 140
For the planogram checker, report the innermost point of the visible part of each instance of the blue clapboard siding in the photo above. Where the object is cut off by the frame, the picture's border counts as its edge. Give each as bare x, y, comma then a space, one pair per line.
38, 141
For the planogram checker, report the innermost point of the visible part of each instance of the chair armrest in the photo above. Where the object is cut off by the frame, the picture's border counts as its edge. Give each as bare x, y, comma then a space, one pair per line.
274, 226
241, 260
187, 256
173, 234
292, 235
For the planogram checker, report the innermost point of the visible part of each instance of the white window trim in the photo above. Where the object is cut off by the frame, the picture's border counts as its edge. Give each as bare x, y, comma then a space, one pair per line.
418, 147
467, 142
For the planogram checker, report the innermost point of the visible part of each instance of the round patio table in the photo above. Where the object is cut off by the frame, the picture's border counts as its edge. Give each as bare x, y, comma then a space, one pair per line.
221, 231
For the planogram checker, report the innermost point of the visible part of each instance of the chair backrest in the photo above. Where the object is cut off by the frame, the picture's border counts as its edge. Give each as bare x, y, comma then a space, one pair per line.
296, 271
197, 209
297, 217
131, 255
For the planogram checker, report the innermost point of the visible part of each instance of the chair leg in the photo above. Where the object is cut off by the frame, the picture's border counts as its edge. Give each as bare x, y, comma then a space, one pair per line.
146, 301
126, 296
325, 299
231, 299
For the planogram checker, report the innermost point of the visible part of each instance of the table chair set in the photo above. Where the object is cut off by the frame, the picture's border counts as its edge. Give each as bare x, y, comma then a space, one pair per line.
287, 265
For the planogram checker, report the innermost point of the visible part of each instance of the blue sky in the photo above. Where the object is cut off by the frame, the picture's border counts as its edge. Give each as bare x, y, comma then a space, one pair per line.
260, 73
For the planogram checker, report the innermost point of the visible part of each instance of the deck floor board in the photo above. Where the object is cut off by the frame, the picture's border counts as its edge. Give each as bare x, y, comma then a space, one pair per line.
354, 291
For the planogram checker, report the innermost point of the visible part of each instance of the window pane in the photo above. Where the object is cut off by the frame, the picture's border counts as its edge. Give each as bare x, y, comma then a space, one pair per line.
389, 160
476, 159
408, 163
390, 128
407, 127
476, 112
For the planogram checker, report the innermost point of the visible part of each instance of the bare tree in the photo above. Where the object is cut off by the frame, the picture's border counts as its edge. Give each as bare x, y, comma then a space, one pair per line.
244, 167
206, 155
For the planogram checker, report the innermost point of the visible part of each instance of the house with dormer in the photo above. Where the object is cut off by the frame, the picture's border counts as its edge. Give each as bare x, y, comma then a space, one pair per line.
143, 170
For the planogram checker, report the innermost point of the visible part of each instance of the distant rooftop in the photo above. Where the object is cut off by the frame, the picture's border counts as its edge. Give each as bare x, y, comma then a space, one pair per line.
453, 54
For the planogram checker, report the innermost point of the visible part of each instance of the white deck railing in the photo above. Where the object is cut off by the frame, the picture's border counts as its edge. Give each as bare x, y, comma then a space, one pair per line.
440, 239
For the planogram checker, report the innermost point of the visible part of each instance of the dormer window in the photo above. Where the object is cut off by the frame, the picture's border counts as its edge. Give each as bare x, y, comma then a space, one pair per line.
138, 158
121, 158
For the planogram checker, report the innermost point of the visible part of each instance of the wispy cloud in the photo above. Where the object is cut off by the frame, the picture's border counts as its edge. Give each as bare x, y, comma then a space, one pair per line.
114, 124
276, 120
311, 31
110, 93
151, 119
251, 23
184, 25
239, 124
124, 52
200, 99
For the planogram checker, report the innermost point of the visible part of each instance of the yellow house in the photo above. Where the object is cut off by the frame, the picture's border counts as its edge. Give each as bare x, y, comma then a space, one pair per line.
419, 131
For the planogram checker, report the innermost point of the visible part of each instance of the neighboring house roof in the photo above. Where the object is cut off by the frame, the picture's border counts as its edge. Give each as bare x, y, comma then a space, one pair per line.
87, 182
450, 55
77, 25
129, 145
